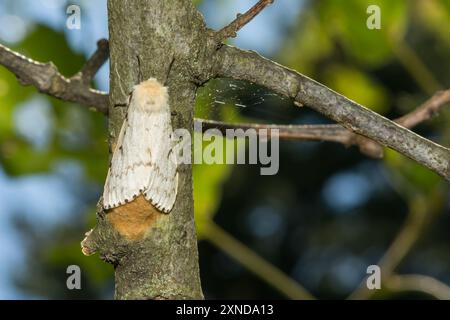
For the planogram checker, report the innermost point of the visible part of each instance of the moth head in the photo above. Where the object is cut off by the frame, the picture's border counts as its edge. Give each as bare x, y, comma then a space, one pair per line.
150, 95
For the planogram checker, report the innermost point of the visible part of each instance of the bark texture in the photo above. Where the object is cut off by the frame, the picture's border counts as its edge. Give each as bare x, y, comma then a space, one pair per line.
160, 39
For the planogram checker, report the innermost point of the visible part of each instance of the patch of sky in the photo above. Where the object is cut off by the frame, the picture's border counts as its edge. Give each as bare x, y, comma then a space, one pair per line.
265, 32
33, 121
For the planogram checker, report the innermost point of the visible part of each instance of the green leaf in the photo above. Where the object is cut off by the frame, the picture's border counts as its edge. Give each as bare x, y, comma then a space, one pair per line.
309, 45
357, 86
434, 15
208, 180
346, 22
415, 178
44, 44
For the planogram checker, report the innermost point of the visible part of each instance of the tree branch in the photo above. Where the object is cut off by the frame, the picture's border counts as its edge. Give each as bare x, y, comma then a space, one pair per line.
256, 264
92, 66
231, 62
46, 78
422, 212
335, 132
426, 110
325, 132
241, 20
419, 283
422, 113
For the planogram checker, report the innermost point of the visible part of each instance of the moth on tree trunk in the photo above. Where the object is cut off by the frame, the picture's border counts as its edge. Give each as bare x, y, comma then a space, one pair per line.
142, 180
143, 162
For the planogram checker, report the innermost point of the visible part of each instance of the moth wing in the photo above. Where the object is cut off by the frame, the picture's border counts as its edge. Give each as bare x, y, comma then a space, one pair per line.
162, 186
143, 161
130, 164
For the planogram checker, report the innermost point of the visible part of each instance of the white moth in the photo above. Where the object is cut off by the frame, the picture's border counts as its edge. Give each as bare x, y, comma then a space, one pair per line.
143, 161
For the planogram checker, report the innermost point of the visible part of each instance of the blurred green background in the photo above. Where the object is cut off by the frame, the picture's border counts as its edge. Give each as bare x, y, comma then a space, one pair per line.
314, 227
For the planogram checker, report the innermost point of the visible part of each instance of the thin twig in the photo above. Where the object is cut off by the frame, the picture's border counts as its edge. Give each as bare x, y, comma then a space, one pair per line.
419, 283
94, 63
241, 20
324, 132
335, 132
425, 111
415, 66
253, 262
421, 213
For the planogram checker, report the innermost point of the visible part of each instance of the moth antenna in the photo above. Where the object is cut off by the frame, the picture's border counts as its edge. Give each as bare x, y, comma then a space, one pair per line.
121, 105
139, 69
125, 104
168, 70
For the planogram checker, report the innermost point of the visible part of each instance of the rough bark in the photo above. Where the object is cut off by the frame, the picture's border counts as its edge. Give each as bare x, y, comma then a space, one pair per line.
161, 39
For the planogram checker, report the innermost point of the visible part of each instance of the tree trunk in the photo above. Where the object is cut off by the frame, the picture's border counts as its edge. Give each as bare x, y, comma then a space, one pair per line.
153, 38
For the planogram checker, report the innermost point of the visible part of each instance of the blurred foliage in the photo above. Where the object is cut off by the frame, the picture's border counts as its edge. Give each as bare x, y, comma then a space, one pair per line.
434, 15
49, 255
364, 90
291, 219
414, 179
77, 134
76, 129
341, 18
